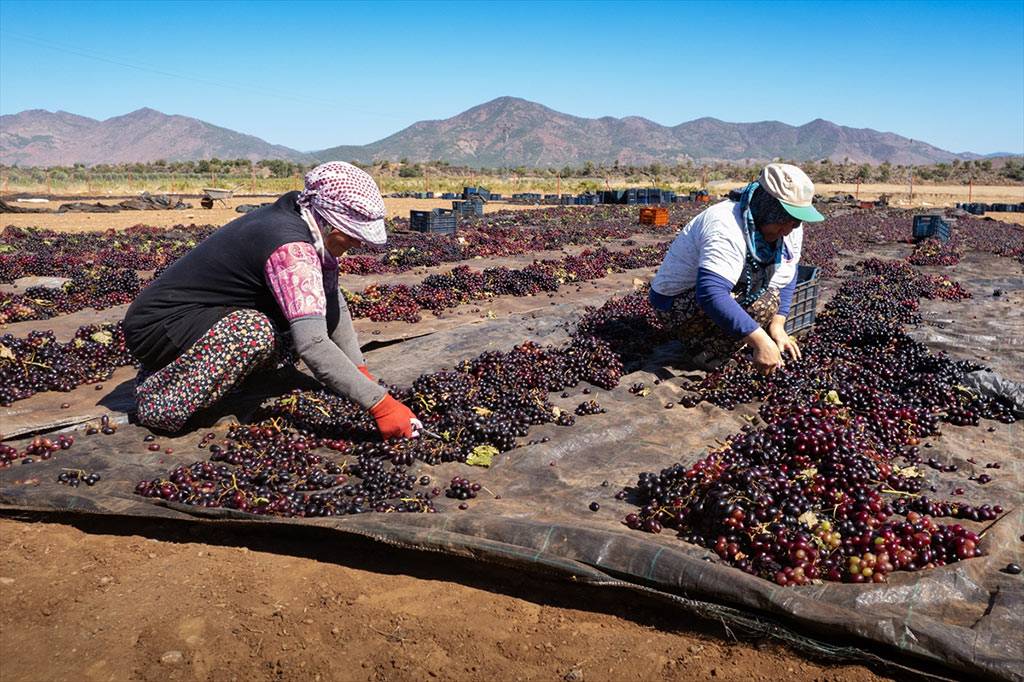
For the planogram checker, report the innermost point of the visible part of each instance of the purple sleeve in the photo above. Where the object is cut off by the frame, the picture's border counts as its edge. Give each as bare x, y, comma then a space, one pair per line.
714, 297
786, 297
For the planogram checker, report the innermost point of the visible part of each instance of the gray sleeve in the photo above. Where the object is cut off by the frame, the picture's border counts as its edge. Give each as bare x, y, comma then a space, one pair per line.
330, 365
344, 334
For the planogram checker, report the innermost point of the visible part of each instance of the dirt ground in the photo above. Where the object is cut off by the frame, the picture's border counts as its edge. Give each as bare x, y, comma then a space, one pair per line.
97, 601
218, 215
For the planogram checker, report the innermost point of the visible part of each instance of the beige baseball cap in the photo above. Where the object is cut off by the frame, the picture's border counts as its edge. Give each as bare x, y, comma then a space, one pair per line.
793, 189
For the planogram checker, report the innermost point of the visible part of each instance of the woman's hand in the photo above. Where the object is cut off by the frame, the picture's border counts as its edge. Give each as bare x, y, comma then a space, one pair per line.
785, 343
766, 353
394, 419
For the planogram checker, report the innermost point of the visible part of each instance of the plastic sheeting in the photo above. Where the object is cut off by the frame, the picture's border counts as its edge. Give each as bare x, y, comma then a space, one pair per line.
534, 511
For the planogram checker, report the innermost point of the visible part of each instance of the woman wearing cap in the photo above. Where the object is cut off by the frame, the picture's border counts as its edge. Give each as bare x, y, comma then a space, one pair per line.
219, 312
729, 276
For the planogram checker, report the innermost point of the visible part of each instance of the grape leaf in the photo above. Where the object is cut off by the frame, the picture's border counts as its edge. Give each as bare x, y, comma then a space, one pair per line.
102, 337
6, 353
482, 456
808, 519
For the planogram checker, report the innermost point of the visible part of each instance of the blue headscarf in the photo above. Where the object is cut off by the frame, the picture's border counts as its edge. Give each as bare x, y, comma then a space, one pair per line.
762, 257
760, 250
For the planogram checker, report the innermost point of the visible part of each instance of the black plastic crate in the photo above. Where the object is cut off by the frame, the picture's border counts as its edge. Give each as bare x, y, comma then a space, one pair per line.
804, 307
930, 227
438, 221
475, 208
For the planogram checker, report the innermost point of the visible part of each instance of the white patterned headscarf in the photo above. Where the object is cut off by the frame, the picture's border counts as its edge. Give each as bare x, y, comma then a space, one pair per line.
339, 196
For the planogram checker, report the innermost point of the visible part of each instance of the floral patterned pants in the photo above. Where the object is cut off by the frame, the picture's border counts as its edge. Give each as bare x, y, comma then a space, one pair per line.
700, 336
238, 344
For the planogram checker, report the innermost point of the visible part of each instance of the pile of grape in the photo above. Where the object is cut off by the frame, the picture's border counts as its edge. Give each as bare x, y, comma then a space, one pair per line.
103, 267
39, 362
506, 233
267, 470
93, 286
382, 302
934, 252
814, 493
489, 401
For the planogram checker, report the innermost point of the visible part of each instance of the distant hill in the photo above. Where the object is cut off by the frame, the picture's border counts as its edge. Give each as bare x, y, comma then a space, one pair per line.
507, 131
43, 138
510, 131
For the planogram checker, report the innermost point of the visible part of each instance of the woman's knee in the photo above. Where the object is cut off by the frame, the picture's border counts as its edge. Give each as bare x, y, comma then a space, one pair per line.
255, 331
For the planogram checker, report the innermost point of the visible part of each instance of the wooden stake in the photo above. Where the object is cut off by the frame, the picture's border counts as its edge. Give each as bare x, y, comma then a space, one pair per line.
970, 190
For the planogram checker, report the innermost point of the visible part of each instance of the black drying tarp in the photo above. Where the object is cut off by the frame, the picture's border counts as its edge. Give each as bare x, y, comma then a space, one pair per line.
13, 208
534, 512
85, 207
143, 202
154, 202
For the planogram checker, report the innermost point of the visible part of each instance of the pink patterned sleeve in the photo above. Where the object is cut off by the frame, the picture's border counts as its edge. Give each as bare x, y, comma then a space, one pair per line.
294, 274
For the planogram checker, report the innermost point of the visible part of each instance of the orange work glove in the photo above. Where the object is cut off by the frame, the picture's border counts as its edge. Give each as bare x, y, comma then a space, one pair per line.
366, 373
393, 418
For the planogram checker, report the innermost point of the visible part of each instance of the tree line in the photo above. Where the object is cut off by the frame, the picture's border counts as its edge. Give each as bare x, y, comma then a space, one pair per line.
982, 171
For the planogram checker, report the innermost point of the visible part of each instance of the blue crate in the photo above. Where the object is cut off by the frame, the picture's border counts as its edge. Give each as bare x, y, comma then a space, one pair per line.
482, 192
930, 227
804, 307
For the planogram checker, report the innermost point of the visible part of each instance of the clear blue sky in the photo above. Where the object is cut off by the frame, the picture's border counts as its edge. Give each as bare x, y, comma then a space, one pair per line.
314, 75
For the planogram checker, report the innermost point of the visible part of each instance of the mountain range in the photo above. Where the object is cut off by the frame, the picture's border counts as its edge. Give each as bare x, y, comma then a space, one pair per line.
507, 131
42, 138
